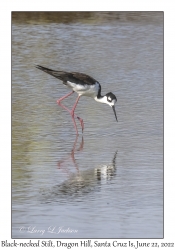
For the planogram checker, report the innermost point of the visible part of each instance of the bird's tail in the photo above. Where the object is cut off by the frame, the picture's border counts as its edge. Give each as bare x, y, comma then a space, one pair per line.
43, 68
57, 74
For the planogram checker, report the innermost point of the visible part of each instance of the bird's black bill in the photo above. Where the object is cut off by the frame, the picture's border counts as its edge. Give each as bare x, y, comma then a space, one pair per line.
113, 107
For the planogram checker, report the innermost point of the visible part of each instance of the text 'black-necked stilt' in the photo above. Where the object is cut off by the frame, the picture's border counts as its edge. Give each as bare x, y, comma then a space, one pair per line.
83, 85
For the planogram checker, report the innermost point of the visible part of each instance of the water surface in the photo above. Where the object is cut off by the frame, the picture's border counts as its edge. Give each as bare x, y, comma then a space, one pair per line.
108, 182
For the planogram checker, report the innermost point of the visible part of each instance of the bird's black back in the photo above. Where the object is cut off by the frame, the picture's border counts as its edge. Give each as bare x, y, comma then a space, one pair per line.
75, 77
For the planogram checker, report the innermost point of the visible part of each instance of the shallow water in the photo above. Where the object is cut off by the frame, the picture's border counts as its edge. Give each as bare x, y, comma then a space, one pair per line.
108, 182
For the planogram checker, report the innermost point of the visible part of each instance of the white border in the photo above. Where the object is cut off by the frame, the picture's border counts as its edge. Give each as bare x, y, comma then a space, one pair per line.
5, 93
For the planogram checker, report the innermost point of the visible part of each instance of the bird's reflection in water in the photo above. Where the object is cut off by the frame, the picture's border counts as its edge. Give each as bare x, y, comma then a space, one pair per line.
79, 183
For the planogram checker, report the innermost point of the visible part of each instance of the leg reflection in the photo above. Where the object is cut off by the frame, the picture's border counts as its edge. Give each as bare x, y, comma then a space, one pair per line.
67, 161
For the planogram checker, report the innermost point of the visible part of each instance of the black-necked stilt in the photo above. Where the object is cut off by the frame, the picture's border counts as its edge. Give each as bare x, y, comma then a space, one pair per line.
83, 85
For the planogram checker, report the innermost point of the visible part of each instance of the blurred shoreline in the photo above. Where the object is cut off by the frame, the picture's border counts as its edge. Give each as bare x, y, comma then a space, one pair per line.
88, 17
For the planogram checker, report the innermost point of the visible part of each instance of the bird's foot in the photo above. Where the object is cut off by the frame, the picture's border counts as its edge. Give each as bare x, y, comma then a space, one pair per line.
81, 122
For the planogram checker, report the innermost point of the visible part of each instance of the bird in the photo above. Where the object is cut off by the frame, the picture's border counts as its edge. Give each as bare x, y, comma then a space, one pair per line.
83, 85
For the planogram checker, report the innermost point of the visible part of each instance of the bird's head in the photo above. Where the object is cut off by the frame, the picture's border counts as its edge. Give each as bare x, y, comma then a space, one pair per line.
111, 101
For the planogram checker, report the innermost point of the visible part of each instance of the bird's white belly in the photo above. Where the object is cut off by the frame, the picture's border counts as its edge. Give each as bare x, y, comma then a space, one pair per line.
86, 90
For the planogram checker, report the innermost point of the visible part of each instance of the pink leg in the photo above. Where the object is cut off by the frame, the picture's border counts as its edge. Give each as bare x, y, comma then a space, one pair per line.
62, 98
74, 107
72, 111
75, 125
81, 120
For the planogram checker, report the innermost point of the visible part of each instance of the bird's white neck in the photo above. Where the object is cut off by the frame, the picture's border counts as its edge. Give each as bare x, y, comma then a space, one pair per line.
102, 99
